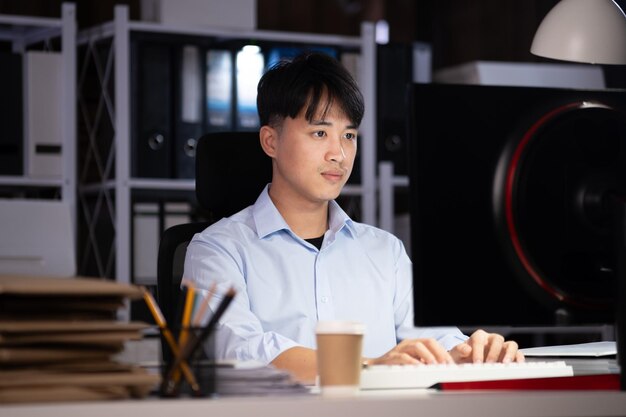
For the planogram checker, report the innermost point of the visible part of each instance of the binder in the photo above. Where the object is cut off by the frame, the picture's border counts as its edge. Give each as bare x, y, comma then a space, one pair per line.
219, 90
189, 109
146, 233
394, 73
152, 138
11, 134
43, 127
287, 53
148, 222
250, 65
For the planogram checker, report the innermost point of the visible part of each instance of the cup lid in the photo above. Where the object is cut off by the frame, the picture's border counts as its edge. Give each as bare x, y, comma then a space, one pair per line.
340, 326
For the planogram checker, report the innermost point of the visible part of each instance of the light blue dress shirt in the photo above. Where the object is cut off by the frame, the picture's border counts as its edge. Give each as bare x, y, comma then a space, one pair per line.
285, 285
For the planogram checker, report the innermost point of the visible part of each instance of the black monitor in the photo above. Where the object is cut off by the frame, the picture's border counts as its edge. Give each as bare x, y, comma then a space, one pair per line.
510, 222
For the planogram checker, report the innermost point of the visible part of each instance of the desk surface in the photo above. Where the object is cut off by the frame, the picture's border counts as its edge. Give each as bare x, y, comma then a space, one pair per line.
427, 403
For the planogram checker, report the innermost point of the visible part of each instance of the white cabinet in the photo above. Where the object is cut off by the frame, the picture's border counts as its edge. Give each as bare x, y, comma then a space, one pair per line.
47, 47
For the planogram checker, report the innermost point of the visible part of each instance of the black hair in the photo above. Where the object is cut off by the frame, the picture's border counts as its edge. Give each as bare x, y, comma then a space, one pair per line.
287, 87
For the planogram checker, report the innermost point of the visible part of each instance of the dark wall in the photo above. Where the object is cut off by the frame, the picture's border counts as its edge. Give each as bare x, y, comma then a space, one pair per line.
342, 17
466, 30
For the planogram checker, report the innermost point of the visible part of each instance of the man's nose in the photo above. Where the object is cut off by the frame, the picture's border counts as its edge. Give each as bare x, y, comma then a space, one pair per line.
336, 152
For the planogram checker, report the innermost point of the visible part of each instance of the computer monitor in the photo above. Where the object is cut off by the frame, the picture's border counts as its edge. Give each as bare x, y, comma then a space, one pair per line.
509, 218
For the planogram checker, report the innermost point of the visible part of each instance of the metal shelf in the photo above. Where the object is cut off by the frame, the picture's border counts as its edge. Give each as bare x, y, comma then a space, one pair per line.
30, 182
24, 32
162, 184
28, 30
17, 23
108, 49
108, 30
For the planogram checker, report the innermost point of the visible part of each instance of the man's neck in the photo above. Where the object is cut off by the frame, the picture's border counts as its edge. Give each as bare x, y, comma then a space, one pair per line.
308, 225
305, 220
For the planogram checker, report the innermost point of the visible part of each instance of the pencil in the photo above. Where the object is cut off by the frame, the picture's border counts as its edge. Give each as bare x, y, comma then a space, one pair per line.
197, 318
184, 326
169, 338
170, 385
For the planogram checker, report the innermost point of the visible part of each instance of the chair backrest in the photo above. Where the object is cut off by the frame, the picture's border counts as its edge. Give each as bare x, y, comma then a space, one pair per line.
231, 171
171, 258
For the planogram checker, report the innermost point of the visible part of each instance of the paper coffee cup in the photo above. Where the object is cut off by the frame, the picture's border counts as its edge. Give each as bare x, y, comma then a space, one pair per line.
339, 349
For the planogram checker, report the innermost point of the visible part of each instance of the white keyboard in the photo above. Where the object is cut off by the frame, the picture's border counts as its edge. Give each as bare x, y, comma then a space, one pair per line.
424, 376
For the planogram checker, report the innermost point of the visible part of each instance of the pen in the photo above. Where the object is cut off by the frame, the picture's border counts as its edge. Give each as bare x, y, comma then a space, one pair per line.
170, 385
169, 338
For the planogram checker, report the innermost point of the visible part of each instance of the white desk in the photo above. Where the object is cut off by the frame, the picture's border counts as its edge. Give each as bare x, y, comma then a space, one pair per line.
495, 404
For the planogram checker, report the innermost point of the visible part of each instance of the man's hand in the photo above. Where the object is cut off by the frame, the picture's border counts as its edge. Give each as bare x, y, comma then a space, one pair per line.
480, 347
486, 347
413, 351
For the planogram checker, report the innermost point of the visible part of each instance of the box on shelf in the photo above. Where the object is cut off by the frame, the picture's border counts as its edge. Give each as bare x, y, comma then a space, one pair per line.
525, 74
237, 14
37, 238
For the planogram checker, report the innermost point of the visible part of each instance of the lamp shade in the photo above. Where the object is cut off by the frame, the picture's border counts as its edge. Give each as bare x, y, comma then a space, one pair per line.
590, 31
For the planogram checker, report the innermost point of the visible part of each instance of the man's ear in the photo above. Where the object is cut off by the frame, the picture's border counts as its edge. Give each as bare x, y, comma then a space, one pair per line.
268, 137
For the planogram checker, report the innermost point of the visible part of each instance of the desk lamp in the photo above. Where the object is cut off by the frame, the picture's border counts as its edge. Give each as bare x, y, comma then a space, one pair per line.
593, 31
588, 31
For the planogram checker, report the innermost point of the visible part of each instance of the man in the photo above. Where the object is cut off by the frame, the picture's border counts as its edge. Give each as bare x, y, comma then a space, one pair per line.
295, 257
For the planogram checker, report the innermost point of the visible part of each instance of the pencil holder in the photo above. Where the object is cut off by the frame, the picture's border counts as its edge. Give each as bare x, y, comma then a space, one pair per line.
191, 373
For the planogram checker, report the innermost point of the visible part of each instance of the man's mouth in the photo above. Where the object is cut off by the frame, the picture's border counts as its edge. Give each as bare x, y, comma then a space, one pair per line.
333, 175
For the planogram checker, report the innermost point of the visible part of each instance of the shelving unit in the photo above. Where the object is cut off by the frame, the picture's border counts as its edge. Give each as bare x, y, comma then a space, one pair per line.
25, 33
108, 50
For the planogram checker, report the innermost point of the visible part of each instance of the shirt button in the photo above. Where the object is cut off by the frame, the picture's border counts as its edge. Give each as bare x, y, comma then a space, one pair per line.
324, 299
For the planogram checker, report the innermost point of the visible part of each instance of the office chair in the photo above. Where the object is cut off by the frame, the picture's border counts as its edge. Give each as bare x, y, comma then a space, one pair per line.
231, 171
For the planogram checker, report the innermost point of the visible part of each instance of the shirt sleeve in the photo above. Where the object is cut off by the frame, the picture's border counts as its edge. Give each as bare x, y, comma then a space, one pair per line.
239, 334
448, 337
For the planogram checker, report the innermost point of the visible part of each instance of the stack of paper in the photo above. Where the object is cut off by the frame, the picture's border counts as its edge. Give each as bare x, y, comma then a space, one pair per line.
594, 358
596, 366
252, 378
592, 349
58, 337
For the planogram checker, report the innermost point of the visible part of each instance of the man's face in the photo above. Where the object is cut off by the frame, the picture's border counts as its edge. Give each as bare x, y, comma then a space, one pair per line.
313, 160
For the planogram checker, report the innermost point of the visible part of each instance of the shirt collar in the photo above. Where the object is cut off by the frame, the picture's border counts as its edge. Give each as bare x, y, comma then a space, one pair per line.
268, 220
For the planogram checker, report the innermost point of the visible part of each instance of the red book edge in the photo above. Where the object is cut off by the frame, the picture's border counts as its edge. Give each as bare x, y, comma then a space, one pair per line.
609, 382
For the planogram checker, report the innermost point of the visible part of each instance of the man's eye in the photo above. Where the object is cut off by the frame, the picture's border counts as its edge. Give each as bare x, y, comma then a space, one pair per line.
319, 134
350, 136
